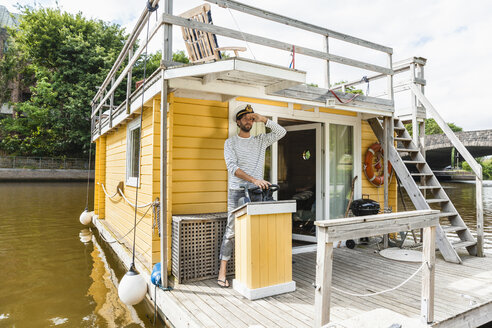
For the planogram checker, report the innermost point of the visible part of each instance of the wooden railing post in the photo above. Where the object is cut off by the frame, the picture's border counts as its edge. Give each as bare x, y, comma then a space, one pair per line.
324, 268
327, 47
129, 83
428, 273
479, 203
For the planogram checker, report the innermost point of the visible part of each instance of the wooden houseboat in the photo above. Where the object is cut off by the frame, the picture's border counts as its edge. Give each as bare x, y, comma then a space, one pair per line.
166, 141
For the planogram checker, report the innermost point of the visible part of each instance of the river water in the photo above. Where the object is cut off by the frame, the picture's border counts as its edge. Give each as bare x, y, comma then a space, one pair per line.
50, 277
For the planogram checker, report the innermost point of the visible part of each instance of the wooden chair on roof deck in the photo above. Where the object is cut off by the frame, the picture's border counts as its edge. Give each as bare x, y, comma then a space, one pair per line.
202, 46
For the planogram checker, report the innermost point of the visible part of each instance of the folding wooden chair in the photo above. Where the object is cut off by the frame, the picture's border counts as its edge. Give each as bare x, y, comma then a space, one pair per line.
202, 46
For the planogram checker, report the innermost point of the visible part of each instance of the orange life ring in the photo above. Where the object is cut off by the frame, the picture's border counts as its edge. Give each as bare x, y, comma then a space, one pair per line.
373, 165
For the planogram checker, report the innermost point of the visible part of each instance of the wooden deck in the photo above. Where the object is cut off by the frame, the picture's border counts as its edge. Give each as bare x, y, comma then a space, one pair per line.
459, 289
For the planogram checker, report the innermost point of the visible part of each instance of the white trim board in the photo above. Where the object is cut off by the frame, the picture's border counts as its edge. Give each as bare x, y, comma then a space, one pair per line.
254, 294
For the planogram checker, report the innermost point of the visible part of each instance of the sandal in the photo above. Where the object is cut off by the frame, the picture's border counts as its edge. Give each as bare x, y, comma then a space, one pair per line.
225, 283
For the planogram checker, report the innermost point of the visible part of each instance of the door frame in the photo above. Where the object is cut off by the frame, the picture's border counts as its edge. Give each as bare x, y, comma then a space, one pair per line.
319, 172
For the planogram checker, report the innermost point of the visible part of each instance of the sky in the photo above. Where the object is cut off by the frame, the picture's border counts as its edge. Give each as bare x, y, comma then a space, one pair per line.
453, 35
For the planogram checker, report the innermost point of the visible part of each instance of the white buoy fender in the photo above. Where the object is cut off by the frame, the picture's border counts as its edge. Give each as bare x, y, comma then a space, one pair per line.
86, 217
132, 288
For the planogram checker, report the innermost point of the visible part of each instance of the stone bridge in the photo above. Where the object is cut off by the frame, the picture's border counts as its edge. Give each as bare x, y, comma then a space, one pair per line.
438, 147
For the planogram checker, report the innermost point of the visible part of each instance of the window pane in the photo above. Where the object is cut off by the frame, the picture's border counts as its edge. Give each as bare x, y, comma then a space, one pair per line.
134, 151
341, 168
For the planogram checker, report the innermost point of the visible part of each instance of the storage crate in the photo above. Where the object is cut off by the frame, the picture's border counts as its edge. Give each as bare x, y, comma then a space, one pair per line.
196, 241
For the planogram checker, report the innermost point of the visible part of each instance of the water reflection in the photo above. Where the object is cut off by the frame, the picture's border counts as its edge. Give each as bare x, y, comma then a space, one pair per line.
54, 272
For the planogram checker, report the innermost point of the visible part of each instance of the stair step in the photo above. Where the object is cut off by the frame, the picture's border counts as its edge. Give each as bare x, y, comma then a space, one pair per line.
447, 214
462, 244
421, 174
429, 187
399, 128
452, 228
402, 139
406, 150
413, 162
436, 200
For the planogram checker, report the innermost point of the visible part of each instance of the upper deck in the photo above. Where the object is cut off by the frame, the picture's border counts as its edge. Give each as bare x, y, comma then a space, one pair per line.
238, 76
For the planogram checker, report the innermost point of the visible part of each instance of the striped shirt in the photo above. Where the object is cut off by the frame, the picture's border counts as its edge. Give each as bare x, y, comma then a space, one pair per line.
248, 154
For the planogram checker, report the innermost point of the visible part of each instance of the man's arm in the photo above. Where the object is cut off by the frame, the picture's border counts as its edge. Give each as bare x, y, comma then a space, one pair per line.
263, 184
278, 132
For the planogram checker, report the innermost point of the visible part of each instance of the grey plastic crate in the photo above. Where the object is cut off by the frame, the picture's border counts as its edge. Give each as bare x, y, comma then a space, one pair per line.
196, 241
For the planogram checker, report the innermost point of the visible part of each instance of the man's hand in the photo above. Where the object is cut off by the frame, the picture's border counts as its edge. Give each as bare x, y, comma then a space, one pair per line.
263, 184
259, 118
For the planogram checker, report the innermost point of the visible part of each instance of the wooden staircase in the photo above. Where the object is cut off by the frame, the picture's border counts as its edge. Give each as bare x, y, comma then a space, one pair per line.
429, 191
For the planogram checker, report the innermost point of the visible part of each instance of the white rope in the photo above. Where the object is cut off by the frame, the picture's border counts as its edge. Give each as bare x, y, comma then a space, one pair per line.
240, 31
106, 193
139, 206
383, 291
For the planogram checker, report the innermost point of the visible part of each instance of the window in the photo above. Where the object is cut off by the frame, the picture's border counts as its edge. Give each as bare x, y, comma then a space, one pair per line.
132, 152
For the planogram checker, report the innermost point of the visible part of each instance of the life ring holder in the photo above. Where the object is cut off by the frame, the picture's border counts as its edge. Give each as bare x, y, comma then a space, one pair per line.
373, 167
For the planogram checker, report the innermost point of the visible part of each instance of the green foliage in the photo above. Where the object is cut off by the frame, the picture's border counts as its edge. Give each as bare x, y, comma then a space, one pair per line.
431, 127
486, 167
180, 57
64, 57
350, 89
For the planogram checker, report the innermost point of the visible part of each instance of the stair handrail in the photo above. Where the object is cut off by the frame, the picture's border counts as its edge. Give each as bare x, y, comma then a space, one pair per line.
477, 168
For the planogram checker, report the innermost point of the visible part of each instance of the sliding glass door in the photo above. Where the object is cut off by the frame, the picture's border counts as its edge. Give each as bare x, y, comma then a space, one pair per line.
341, 168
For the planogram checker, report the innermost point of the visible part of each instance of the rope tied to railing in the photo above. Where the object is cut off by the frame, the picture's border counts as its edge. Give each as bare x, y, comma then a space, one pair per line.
150, 8
340, 100
383, 291
118, 240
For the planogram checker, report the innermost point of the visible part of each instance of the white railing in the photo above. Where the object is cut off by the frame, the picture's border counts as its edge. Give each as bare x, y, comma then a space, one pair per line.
113, 80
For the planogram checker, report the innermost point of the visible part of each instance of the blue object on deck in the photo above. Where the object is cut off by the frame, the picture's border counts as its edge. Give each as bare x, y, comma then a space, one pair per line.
155, 277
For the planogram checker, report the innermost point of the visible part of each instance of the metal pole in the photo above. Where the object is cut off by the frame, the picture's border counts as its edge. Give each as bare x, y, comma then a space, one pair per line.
166, 56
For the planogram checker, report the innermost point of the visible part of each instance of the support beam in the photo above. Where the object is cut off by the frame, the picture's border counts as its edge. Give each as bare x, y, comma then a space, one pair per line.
324, 268
428, 275
166, 56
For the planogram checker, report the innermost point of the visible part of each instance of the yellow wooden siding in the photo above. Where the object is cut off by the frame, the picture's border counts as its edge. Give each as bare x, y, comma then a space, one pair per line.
375, 193
120, 215
100, 177
263, 248
199, 174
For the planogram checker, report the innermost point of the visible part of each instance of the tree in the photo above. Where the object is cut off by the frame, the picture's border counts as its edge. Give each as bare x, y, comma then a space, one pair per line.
431, 127
65, 56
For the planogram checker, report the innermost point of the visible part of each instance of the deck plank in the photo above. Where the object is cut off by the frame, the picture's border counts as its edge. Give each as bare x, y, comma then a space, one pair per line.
458, 288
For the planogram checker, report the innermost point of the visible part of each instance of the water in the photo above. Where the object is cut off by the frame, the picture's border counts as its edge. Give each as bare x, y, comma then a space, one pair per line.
48, 276
462, 194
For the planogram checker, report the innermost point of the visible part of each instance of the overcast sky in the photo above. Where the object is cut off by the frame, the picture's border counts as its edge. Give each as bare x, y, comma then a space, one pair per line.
455, 37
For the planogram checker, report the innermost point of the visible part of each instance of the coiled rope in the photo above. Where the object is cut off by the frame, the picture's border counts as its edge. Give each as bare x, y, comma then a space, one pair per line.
383, 291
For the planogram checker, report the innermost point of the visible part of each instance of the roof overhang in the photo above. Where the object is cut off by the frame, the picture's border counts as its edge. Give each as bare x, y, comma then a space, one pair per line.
243, 71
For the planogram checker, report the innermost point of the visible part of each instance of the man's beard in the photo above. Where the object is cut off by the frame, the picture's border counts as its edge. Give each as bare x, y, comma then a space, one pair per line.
245, 128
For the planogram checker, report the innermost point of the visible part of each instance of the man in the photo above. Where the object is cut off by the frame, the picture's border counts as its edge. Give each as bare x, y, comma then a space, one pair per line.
245, 158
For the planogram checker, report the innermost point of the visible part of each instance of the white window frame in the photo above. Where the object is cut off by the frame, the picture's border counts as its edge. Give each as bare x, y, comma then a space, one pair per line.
133, 125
